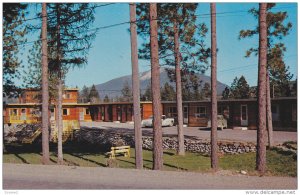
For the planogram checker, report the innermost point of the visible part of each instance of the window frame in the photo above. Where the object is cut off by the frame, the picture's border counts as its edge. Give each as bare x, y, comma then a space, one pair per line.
68, 112
199, 114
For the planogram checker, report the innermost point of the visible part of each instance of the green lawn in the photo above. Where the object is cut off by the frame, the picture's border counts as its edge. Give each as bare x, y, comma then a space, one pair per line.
278, 163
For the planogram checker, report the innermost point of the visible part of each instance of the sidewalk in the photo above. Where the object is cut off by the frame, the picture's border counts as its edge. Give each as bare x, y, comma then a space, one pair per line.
20, 176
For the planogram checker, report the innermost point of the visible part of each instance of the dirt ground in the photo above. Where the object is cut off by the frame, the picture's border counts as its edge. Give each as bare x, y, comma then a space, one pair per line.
20, 176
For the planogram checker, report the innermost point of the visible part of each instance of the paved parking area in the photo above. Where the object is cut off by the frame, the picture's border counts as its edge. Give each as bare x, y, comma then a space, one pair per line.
226, 134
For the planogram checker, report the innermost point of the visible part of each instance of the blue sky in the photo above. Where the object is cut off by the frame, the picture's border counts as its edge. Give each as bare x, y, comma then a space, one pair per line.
110, 56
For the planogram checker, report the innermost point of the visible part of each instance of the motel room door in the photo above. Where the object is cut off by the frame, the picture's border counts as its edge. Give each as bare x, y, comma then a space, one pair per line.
244, 115
81, 115
23, 114
185, 114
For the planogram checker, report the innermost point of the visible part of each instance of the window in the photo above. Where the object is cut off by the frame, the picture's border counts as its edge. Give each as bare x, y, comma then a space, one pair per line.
200, 112
23, 111
294, 112
87, 111
172, 111
274, 109
66, 112
244, 112
13, 112
223, 110
275, 112
67, 96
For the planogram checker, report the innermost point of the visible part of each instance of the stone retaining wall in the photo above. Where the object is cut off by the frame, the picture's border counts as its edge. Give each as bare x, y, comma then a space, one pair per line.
203, 146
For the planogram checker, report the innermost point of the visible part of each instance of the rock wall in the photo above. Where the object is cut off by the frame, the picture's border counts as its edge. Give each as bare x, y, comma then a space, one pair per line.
17, 132
203, 146
108, 139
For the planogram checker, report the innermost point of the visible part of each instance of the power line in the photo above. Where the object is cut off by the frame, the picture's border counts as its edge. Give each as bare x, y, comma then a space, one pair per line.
128, 22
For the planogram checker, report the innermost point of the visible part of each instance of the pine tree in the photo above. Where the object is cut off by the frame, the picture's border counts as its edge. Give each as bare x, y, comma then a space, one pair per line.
214, 106
206, 90
277, 29
147, 96
32, 76
94, 95
168, 93
155, 84
184, 50
106, 99
262, 70
45, 89
226, 93
13, 36
84, 94
136, 89
126, 92
239, 88
69, 45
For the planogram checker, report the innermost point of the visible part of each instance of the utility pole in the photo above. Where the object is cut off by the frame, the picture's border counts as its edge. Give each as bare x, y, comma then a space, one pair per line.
136, 89
155, 86
178, 91
262, 72
45, 89
214, 107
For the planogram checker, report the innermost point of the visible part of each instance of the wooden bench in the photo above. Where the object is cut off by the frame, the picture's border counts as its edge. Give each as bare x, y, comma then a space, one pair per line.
119, 150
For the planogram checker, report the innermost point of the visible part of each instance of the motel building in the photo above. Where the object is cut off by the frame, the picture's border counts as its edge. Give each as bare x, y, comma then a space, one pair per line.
238, 112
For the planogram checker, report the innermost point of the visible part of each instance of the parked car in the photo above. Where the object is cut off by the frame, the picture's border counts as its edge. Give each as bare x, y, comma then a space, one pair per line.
222, 122
166, 122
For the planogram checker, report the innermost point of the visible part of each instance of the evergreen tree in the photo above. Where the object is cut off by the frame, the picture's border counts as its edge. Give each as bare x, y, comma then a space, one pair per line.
239, 88
168, 93
13, 36
32, 76
106, 99
69, 45
226, 93
147, 96
261, 159
277, 28
126, 92
179, 45
206, 90
84, 94
94, 95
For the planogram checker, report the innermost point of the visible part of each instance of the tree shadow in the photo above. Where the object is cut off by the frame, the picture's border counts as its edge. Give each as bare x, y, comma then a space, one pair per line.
21, 158
87, 159
126, 161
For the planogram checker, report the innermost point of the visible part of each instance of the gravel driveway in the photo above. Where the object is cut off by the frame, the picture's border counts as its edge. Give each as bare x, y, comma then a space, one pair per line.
226, 134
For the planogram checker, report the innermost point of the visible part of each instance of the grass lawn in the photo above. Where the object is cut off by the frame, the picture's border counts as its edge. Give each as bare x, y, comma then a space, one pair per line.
278, 163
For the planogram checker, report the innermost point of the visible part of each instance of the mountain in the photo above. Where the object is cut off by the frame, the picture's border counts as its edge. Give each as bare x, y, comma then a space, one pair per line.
113, 87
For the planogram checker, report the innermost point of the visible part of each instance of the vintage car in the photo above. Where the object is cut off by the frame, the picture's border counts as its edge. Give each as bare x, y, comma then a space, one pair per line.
222, 122
166, 122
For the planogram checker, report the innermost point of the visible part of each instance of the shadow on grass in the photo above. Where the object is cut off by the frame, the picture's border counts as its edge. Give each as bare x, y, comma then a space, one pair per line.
21, 158
284, 152
87, 159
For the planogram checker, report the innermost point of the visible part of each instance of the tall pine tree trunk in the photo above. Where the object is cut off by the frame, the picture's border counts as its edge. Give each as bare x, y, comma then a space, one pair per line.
155, 86
136, 89
178, 91
60, 123
262, 71
269, 113
45, 89
214, 107
60, 93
